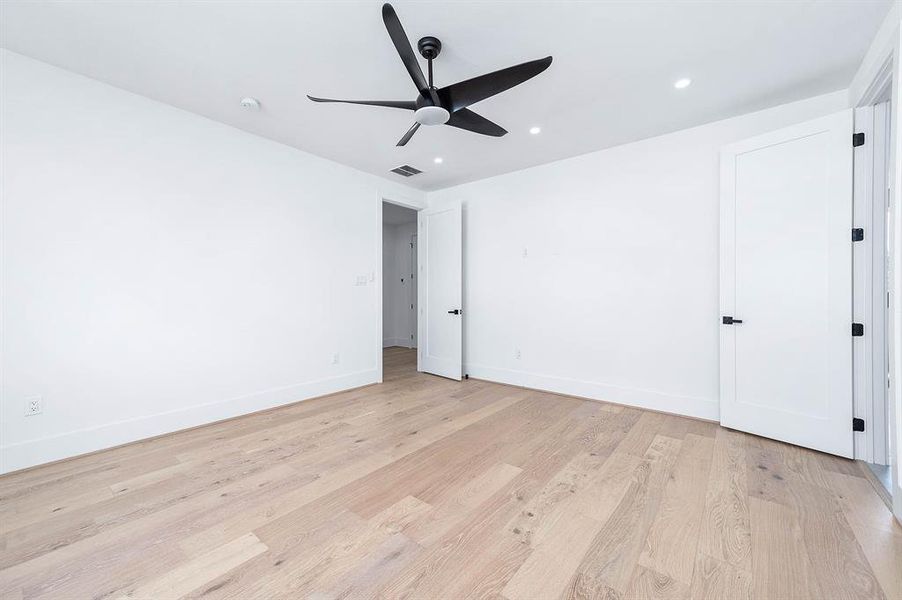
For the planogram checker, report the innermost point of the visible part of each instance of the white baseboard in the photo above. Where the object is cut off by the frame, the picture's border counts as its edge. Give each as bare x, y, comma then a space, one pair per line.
700, 408
389, 342
35, 452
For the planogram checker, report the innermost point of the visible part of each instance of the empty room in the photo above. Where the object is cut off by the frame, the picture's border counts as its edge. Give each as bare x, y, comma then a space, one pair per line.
509, 299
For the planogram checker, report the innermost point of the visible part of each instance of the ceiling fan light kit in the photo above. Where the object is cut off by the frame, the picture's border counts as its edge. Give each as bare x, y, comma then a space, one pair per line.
447, 105
431, 115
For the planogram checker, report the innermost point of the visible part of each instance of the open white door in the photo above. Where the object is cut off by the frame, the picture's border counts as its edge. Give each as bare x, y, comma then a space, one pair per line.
786, 285
439, 327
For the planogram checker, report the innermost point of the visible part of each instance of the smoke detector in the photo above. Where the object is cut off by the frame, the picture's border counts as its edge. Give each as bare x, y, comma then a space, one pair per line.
250, 103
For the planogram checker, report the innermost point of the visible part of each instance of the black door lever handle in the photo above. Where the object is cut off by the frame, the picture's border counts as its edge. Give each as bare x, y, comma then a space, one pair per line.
731, 321
456, 311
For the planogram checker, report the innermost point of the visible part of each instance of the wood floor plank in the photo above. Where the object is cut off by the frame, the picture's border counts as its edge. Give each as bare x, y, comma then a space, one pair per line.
678, 522
375, 568
432, 573
269, 574
608, 565
781, 567
298, 498
548, 568
451, 512
73, 568
352, 553
726, 533
423, 487
200, 570
714, 579
565, 534
837, 560
766, 472
878, 533
651, 585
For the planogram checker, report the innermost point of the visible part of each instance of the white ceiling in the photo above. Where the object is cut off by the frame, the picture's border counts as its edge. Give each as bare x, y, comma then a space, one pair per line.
392, 214
610, 83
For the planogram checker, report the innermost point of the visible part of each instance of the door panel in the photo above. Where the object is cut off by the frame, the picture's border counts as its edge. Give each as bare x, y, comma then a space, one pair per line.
786, 217
440, 330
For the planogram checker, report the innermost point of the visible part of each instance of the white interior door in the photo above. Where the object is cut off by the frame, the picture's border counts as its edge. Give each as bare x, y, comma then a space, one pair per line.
786, 281
439, 326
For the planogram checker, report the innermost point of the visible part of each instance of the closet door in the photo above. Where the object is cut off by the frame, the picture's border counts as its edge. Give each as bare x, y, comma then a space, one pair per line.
786, 285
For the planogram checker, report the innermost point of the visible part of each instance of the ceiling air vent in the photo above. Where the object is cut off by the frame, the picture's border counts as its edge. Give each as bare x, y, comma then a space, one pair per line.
406, 171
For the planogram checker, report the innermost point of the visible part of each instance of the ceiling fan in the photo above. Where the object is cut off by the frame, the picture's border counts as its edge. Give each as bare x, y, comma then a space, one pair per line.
446, 105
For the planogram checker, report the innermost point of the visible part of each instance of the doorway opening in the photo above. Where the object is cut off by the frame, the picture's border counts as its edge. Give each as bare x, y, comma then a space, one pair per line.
399, 291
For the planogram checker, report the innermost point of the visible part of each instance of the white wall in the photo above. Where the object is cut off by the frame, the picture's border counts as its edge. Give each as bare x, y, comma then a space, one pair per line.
398, 320
390, 271
602, 270
161, 270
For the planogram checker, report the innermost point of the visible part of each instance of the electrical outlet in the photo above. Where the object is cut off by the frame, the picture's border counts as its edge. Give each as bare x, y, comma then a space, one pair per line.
336, 358
517, 354
34, 406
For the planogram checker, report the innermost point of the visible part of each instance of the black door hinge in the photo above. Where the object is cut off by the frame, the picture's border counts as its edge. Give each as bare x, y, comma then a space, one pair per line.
857, 234
857, 140
857, 329
857, 424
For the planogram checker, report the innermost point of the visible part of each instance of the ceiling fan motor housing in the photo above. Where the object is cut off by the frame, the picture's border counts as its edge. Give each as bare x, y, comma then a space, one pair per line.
429, 47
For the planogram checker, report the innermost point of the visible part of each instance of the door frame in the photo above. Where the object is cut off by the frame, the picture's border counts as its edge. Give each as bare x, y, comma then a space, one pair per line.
377, 272
870, 287
880, 70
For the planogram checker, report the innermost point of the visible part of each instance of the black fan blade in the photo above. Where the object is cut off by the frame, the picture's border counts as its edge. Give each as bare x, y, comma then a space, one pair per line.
413, 129
409, 105
467, 119
402, 45
463, 94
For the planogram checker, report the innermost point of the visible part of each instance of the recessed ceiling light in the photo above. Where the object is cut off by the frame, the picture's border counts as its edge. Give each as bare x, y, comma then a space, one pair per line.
250, 103
438, 160
682, 83
535, 130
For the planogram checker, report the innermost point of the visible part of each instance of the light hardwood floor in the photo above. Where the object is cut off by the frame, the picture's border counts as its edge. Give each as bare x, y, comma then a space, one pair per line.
427, 488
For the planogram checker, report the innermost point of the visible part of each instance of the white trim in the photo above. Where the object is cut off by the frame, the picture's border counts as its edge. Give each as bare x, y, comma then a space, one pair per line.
689, 406
880, 88
397, 342
74, 443
865, 85
869, 284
